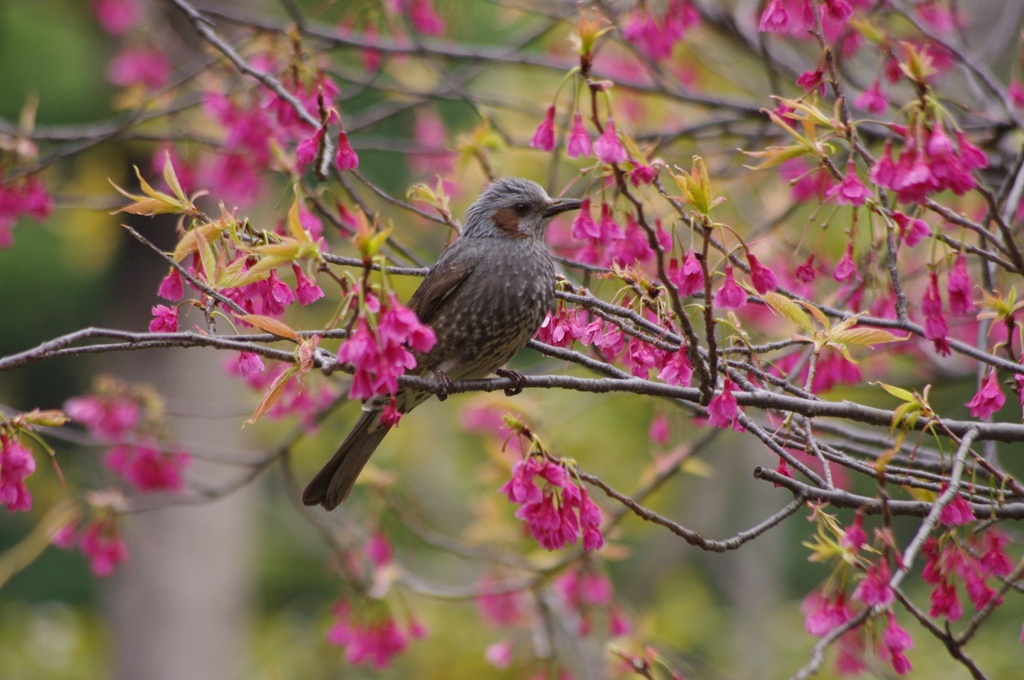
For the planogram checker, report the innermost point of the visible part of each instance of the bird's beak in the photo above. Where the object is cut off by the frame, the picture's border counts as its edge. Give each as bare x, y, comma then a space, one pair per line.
561, 205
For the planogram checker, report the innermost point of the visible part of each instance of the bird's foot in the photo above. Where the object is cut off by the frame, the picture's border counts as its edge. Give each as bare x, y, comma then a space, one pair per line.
517, 378
444, 381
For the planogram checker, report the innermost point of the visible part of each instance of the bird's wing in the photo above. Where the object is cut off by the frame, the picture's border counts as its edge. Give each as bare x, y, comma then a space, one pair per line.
440, 283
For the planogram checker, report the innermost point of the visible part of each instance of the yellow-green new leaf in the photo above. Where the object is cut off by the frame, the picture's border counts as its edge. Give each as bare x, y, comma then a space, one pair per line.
271, 325
789, 309
864, 335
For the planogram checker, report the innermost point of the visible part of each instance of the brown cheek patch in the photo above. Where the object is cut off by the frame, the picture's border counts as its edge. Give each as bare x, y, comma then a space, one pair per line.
507, 220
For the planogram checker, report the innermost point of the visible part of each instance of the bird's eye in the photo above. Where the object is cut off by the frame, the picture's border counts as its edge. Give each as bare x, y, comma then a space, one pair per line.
522, 208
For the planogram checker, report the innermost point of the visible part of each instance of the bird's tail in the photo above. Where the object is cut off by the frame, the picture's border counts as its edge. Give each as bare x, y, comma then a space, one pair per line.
333, 483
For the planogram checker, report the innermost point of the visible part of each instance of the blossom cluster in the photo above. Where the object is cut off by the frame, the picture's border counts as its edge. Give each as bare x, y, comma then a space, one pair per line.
19, 198
100, 541
382, 353
557, 511
16, 464
370, 634
130, 420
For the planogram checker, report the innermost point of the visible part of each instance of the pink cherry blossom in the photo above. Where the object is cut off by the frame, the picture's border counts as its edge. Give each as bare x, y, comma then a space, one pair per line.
822, 614
583, 225
149, 68
762, 277
500, 609
896, 640
249, 364
855, 538
608, 148
659, 431
677, 370
774, 19
499, 654
171, 287
579, 140
610, 230
994, 560
424, 18
690, 277
117, 16
16, 464
147, 468
373, 638
346, 158
730, 295
851, 191
945, 602
959, 287
912, 230
873, 589
102, 543
544, 137
873, 100
165, 319
935, 327
557, 514
989, 399
306, 291
723, 409
107, 418
306, 151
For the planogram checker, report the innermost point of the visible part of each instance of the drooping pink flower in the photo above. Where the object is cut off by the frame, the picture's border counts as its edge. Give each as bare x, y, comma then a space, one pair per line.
677, 370
811, 80
959, 287
346, 158
873, 100
846, 268
774, 19
374, 638
171, 287
544, 137
883, 172
424, 18
897, 640
851, 191
378, 550
610, 230
149, 68
642, 174
805, 272
945, 602
762, 277
989, 399
873, 590
978, 591
249, 364
583, 225
994, 560
16, 464
838, 11
165, 319
730, 295
108, 419
305, 152
723, 409
579, 140
608, 148
822, 613
690, 277
957, 512
305, 290
935, 327
117, 16
659, 431
147, 468
102, 543
855, 538
499, 654
500, 609
390, 415
912, 230
563, 511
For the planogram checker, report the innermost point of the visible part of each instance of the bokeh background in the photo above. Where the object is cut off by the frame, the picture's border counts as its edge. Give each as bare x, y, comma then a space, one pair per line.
241, 586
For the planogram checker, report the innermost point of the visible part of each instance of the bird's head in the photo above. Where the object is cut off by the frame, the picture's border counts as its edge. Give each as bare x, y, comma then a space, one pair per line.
513, 207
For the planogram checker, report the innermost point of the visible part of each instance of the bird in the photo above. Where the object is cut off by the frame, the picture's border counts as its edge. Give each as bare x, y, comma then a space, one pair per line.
486, 295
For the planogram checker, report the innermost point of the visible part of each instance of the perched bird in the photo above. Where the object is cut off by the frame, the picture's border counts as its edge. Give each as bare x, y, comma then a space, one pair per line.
485, 297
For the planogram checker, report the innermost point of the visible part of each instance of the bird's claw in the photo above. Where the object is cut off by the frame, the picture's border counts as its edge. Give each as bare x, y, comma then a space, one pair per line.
517, 378
444, 381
